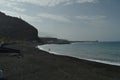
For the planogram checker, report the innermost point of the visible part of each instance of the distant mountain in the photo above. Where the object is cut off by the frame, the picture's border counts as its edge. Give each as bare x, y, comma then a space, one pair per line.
50, 40
16, 28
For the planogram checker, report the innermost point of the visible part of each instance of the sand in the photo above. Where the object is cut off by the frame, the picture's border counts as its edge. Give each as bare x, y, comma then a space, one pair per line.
40, 65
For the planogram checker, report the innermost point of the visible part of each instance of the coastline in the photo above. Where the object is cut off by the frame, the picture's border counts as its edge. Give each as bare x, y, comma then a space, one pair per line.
41, 65
92, 60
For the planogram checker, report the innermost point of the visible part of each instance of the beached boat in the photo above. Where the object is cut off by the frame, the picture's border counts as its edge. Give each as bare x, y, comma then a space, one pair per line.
8, 50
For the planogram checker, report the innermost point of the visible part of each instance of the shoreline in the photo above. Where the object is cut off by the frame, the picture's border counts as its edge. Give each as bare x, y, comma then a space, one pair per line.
41, 65
92, 60
80, 60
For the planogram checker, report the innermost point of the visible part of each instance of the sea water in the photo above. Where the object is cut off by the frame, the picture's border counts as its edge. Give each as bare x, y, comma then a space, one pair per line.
103, 52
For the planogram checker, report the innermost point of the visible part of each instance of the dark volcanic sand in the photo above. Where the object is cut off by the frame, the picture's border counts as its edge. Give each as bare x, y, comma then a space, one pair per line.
40, 65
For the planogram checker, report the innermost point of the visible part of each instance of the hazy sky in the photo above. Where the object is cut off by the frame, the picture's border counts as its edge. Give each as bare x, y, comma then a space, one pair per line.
69, 19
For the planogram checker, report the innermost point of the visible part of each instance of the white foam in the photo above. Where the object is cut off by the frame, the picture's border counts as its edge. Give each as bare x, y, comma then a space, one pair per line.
39, 47
93, 60
101, 61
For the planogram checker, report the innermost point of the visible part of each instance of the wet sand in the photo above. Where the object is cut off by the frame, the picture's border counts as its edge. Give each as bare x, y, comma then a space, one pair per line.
40, 65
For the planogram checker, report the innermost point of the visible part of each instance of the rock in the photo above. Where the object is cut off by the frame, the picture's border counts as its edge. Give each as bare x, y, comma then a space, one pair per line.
16, 28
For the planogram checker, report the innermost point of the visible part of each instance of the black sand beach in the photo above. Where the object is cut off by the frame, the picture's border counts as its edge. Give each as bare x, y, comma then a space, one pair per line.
40, 65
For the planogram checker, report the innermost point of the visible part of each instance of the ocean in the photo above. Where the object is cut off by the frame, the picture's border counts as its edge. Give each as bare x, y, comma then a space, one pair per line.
102, 52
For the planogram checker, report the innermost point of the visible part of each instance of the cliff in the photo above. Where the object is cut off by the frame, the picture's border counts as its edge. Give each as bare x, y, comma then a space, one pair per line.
16, 28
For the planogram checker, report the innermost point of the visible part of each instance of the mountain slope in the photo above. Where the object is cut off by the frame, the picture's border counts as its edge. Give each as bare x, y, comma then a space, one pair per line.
16, 28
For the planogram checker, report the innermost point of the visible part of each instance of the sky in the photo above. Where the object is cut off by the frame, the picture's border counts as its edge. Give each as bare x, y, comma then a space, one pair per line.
69, 19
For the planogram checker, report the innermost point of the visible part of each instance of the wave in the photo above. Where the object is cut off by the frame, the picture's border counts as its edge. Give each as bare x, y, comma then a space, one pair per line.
93, 60
101, 61
39, 47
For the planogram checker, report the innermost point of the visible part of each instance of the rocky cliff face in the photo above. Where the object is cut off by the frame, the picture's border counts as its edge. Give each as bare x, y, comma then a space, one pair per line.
16, 28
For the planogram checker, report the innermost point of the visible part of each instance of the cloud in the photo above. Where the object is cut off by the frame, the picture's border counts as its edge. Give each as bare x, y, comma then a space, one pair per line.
42, 2
28, 18
18, 9
9, 4
87, 1
93, 18
94, 21
14, 6
81, 18
51, 3
54, 17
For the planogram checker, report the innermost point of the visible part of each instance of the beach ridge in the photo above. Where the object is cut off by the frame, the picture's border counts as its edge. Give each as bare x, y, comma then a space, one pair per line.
41, 65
